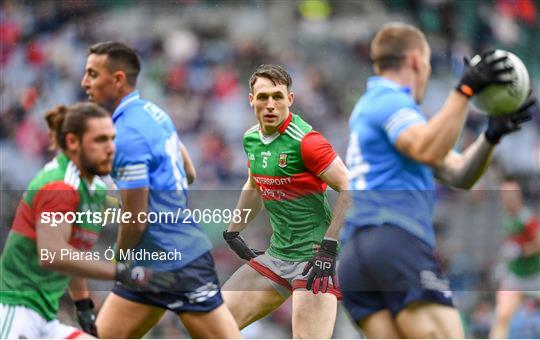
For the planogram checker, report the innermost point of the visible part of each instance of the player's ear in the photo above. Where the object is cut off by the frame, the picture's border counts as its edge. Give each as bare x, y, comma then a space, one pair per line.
415, 59
120, 78
290, 96
72, 142
251, 97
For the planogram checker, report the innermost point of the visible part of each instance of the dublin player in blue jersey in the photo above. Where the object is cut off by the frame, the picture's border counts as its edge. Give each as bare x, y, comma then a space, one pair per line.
150, 172
391, 282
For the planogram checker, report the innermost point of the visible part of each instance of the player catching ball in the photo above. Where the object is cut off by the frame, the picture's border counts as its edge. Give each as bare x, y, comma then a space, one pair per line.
391, 281
290, 166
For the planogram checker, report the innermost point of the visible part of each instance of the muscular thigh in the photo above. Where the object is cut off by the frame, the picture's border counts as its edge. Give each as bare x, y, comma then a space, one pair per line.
250, 296
314, 315
429, 320
122, 318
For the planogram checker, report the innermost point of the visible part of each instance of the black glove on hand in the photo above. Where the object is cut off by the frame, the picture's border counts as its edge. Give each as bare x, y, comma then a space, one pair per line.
86, 316
239, 246
323, 267
144, 278
499, 126
489, 70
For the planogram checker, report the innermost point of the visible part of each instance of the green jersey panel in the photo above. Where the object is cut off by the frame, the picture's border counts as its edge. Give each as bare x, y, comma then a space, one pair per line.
58, 187
294, 196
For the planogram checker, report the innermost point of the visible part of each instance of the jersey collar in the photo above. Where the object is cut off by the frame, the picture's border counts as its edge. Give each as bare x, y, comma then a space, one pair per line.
378, 81
285, 124
269, 139
125, 103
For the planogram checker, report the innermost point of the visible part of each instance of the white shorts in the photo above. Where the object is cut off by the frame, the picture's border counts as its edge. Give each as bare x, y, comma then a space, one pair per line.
19, 322
285, 276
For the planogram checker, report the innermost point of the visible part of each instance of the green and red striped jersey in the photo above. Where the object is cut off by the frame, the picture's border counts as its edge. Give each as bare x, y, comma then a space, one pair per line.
521, 229
286, 167
58, 187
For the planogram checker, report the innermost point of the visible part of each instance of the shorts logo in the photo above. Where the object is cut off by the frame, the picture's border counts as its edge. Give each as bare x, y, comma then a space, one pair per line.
282, 160
176, 304
430, 281
251, 156
203, 293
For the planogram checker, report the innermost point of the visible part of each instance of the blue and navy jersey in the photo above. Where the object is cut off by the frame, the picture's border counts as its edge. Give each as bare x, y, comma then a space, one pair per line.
148, 156
387, 186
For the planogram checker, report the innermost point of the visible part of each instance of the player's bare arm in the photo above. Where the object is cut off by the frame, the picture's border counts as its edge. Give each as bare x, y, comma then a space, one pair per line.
463, 170
133, 201
54, 240
430, 142
321, 267
191, 173
336, 177
250, 201
78, 288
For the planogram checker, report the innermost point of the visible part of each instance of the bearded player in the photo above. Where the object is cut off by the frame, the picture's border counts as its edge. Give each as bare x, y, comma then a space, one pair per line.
32, 284
290, 166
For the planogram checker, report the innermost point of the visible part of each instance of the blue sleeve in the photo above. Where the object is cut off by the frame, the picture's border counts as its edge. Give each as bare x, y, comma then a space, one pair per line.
399, 115
132, 160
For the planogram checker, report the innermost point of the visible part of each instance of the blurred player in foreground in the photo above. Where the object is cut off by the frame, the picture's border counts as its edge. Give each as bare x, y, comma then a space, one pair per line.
290, 166
32, 284
391, 282
150, 170
521, 250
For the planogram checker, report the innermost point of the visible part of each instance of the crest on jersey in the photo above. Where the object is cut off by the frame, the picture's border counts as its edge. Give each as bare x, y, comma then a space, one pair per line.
282, 160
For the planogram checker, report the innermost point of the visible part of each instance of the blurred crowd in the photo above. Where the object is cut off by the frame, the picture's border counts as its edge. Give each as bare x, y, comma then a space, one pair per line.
197, 56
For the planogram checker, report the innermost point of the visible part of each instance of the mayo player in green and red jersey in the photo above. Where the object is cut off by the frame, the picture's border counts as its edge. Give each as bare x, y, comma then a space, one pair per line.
32, 281
290, 167
521, 249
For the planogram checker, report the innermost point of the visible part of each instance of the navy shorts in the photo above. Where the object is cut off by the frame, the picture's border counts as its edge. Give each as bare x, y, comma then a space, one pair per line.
197, 289
385, 267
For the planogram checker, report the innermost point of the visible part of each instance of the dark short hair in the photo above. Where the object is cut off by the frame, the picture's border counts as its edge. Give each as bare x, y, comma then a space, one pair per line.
390, 45
275, 73
62, 120
119, 57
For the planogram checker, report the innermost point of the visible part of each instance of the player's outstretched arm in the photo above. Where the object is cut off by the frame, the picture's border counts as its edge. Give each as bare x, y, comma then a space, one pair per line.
134, 201
53, 241
429, 143
191, 173
250, 204
463, 170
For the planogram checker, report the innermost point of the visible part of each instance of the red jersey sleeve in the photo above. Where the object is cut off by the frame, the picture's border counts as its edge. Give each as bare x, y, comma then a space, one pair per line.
317, 153
55, 197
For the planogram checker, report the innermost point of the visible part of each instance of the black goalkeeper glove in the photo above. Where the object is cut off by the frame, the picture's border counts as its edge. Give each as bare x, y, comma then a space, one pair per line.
86, 316
323, 267
239, 246
489, 70
144, 278
499, 126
